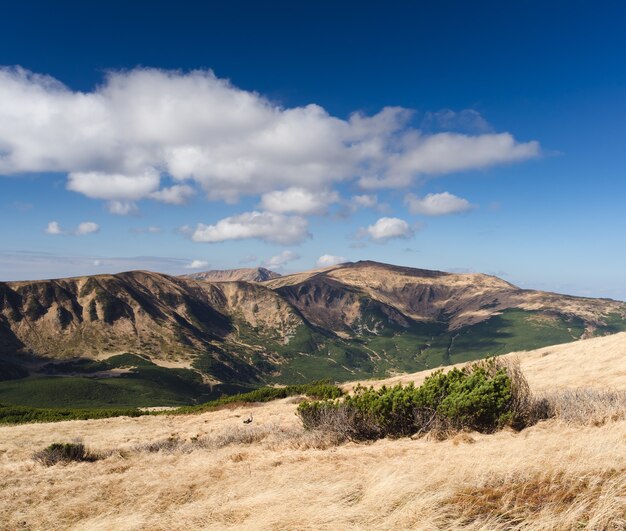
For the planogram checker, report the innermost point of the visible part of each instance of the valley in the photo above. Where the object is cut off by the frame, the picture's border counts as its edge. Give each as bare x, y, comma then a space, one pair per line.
146, 339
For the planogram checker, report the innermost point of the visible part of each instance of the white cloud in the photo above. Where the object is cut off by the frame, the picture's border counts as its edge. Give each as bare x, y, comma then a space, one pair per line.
86, 227
54, 228
437, 204
265, 226
278, 261
387, 229
114, 186
327, 260
116, 141
178, 194
197, 264
122, 208
448, 152
364, 201
298, 201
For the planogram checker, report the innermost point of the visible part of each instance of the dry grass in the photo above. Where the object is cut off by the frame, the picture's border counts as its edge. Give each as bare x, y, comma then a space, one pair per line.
584, 502
211, 471
587, 406
597, 363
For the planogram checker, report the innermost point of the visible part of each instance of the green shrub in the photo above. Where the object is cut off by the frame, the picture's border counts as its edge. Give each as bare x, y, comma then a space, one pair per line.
64, 453
482, 396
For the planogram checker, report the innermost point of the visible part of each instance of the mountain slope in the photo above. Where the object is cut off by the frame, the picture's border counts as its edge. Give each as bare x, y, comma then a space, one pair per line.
555, 475
257, 274
355, 320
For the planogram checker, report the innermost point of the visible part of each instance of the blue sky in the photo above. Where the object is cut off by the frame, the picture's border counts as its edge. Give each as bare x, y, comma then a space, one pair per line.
451, 135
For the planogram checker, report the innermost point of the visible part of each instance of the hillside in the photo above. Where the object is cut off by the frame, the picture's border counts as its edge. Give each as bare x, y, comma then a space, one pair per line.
256, 274
271, 474
142, 338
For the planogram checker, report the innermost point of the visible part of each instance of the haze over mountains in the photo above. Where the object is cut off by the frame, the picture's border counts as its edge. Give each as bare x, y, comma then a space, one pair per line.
252, 327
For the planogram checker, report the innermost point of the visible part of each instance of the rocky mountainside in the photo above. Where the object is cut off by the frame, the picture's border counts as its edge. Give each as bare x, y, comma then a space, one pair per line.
355, 320
256, 274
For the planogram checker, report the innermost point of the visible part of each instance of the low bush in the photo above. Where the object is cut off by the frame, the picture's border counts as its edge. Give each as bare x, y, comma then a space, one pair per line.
64, 453
482, 396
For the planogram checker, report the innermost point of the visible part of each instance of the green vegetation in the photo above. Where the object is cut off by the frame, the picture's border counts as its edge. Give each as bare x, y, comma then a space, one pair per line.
424, 346
613, 323
10, 414
11, 371
310, 355
144, 385
150, 388
320, 390
483, 396
22, 415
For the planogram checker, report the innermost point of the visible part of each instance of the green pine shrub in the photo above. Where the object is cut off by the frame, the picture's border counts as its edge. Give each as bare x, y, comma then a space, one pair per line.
483, 396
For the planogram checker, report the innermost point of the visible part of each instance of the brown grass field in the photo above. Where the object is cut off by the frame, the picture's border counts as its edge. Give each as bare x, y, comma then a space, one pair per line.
210, 471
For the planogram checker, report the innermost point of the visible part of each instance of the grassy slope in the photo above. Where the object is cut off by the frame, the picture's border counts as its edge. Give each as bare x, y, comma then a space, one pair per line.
309, 356
551, 476
147, 385
428, 345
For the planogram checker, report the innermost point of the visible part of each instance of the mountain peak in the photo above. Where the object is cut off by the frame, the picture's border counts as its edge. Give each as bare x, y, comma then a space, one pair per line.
247, 274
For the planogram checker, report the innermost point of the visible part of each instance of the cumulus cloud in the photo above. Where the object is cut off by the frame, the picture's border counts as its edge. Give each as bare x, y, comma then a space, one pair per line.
114, 186
122, 208
298, 201
364, 201
448, 152
327, 260
197, 264
86, 227
387, 229
279, 261
178, 194
54, 228
266, 226
437, 204
118, 142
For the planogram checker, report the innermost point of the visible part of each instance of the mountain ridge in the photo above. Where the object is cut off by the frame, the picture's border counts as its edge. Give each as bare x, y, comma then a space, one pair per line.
354, 320
249, 274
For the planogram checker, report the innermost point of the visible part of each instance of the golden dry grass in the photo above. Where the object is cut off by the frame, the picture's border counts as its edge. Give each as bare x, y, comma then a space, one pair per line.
599, 363
217, 473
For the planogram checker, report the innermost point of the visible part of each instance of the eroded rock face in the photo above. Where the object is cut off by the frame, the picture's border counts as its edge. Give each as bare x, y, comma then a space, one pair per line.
134, 312
257, 327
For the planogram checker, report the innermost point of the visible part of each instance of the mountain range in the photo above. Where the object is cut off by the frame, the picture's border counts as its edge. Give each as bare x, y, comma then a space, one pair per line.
180, 339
